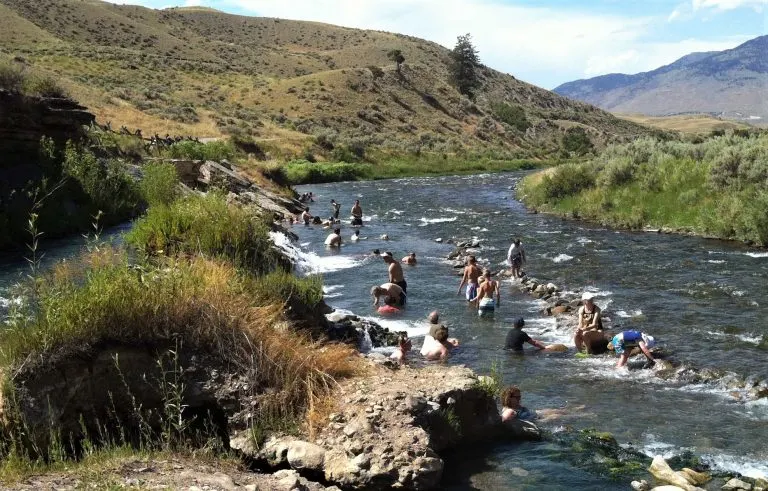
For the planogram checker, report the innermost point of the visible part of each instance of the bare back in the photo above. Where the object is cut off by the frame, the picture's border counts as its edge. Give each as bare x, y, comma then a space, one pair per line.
395, 272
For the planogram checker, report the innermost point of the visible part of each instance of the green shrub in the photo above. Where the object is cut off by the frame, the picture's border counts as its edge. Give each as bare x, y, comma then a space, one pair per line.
567, 180
512, 115
159, 186
206, 225
576, 141
44, 86
105, 181
303, 172
11, 77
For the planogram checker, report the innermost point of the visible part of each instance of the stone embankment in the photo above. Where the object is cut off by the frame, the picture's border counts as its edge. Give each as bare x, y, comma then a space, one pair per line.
389, 428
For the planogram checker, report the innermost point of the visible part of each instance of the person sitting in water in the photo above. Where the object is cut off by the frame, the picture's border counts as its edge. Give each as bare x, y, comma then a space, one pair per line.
623, 342
316, 220
590, 321
334, 239
394, 295
306, 216
328, 223
470, 277
356, 236
396, 275
437, 345
357, 214
517, 337
488, 296
403, 347
384, 237
511, 408
410, 259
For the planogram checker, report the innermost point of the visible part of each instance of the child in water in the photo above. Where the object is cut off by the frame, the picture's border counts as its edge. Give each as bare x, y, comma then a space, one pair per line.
511, 408
403, 347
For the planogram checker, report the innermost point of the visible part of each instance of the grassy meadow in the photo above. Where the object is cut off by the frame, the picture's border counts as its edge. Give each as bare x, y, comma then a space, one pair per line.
715, 187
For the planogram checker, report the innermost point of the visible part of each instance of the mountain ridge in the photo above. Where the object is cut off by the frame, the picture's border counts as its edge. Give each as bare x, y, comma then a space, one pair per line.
731, 83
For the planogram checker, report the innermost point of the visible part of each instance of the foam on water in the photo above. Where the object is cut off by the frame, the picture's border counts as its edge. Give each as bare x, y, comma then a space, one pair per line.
716, 261
584, 241
412, 328
756, 254
755, 468
548, 232
626, 315
429, 221
309, 262
561, 258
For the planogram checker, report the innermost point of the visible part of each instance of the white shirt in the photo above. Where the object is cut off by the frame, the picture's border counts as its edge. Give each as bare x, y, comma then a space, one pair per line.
514, 250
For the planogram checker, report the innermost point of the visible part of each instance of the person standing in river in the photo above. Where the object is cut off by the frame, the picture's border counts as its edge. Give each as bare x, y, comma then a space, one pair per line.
516, 258
334, 239
396, 275
517, 337
488, 296
306, 216
336, 207
357, 213
470, 277
590, 328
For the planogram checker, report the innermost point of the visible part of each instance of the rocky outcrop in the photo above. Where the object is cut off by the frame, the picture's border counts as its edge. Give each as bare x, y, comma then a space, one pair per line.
389, 429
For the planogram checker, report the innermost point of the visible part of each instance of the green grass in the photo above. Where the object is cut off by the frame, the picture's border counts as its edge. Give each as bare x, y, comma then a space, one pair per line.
717, 187
206, 225
303, 172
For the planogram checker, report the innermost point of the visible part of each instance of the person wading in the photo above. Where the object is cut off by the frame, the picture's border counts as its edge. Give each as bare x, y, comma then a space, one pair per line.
470, 277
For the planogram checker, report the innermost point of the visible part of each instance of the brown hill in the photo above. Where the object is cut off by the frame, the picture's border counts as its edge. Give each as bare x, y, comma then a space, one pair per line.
290, 84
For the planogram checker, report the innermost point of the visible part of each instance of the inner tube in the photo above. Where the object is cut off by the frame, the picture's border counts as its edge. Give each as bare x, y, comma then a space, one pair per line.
388, 309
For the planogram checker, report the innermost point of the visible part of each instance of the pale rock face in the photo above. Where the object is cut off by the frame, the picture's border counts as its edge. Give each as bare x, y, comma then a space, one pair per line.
737, 484
304, 455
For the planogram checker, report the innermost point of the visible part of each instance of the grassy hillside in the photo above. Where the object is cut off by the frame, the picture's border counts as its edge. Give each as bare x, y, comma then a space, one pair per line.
691, 124
716, 187
296, 87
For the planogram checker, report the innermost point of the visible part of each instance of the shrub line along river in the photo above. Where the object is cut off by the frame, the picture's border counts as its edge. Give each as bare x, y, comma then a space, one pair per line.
702, 299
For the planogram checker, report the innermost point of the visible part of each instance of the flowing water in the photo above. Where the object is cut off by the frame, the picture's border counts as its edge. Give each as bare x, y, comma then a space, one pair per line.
702, 299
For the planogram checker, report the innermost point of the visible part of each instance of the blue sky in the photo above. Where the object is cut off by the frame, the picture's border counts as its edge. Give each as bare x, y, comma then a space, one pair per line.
545, 42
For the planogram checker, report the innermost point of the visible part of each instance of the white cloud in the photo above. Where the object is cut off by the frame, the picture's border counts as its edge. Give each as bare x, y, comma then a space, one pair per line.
545, 46
722, 5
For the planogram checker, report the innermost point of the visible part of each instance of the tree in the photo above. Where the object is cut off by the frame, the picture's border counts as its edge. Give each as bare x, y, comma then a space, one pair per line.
397, 56
463, 67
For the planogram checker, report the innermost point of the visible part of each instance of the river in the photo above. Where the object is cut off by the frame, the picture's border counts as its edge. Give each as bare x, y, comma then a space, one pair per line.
702, 299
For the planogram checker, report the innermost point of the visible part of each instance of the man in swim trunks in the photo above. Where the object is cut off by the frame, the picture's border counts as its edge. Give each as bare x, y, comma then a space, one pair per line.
336, 207
410, 259
516, 258
334, 239
471, 274
357, 213
589, 320
517, 337
394, 295
488, 296
623, 342
306, 216
395, 271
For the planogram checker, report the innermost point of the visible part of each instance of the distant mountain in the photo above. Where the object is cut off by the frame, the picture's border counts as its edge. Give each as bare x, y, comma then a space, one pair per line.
731, 83
289, 84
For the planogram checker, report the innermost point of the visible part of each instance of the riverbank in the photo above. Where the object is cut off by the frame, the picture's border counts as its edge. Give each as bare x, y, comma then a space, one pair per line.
303, 172
713, 188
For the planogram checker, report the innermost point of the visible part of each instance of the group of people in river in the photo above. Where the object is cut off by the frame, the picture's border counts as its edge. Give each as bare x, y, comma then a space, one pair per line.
481, 291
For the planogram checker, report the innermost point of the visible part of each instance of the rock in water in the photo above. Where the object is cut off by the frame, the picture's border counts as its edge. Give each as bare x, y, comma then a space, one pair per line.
640, 485
735, 484
662, 472
556, 348
596, 342
693, 477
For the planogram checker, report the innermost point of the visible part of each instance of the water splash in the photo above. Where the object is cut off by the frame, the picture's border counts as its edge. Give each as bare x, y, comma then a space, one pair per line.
365, 344
307, 263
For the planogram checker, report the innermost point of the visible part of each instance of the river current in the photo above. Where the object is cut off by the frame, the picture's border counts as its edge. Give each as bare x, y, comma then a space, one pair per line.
703, 300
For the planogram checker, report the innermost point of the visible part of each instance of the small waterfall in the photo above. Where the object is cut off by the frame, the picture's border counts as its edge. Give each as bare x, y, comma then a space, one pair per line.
366, 344
307, 263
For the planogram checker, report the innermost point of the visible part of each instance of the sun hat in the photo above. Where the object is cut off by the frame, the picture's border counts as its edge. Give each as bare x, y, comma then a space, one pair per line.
587, 296
385, 254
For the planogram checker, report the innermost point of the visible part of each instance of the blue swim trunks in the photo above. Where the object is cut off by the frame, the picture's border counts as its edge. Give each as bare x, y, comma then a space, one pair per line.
471, 291
626, 339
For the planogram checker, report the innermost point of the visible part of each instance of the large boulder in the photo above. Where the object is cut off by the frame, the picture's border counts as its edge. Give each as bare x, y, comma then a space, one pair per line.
596, 342
664, 473
303, 455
